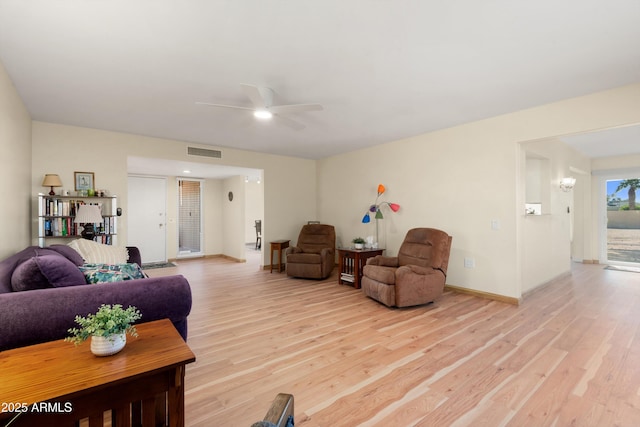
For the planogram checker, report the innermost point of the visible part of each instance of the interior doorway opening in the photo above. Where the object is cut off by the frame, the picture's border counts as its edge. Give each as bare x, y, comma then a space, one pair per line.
189, 217
623, 221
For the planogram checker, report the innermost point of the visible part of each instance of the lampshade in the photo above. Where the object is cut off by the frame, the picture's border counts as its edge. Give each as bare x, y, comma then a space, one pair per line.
88, 214
376, 208
51, 180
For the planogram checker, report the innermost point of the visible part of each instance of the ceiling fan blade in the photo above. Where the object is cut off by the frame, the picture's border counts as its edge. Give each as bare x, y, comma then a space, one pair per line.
288, 122
208, 104
294, 108
261, 98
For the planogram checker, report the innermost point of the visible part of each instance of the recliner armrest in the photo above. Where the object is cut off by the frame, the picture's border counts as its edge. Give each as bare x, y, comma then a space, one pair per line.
326, 252
416, 269
292, 250
383, 261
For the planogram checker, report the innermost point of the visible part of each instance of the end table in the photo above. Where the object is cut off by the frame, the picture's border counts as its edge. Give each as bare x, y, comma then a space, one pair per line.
141, 385
350, 263
278, 245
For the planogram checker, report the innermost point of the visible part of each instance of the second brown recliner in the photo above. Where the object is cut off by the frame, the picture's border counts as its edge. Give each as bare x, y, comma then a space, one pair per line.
313, 257
416, 276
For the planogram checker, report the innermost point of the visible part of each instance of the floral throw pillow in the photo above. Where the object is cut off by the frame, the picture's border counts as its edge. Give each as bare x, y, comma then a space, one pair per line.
101, 273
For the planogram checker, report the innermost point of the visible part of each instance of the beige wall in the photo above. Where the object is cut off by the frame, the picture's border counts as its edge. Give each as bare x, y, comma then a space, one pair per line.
213, 201
233, 217
254, 204
546, 240
459, 180
618, 162
15, 169
65, 149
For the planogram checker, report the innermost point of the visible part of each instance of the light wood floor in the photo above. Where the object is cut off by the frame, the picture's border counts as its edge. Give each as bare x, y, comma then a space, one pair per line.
569, 355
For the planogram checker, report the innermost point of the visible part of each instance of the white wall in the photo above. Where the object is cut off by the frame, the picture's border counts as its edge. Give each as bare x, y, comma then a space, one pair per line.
15, 169
459, 180
288, 201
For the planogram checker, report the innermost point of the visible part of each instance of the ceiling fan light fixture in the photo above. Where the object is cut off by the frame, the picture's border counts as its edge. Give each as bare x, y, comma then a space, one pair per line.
263, 114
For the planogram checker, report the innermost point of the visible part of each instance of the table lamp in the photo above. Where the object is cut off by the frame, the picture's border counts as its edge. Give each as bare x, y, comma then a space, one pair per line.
88, 215
51, 180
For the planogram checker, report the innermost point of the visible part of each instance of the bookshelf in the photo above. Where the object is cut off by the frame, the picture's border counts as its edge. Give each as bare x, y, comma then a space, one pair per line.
56, 219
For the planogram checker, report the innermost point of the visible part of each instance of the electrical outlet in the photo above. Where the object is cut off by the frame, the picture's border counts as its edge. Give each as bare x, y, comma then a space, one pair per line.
495, 224
469, 262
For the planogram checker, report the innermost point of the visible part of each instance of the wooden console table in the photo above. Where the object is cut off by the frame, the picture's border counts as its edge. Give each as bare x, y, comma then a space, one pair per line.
350, 263
141, 385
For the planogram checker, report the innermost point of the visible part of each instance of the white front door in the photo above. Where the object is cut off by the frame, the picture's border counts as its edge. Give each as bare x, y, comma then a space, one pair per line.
146, 225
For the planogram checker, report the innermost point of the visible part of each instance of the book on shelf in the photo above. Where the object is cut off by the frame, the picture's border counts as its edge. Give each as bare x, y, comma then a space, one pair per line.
346, 277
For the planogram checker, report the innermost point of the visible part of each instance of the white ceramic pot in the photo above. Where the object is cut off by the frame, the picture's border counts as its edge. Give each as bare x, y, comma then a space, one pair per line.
106, 346
359, 245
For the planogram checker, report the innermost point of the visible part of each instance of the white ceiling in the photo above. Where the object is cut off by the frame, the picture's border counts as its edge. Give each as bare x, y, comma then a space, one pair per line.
164, 167
382, 69
619, 142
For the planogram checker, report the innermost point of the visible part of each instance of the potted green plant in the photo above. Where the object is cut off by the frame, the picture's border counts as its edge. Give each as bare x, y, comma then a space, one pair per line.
358, 242
108, 328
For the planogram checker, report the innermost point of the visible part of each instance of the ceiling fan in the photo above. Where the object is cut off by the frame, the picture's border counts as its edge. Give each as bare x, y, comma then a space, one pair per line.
263, 108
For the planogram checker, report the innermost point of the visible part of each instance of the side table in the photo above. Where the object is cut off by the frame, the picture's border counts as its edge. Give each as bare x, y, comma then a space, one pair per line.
278, 245
350, 263
143, 384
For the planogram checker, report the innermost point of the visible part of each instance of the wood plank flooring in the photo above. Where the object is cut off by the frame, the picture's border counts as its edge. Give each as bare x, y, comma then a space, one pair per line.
568, 356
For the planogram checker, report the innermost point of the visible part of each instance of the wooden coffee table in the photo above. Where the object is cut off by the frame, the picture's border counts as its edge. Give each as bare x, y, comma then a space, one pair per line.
67, 384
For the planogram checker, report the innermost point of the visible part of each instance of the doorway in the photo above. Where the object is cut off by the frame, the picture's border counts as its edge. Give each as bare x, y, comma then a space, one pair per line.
189, 217
623, 221
146, 219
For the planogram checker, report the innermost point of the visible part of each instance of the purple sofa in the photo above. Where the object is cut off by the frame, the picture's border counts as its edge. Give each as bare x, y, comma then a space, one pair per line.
52, 293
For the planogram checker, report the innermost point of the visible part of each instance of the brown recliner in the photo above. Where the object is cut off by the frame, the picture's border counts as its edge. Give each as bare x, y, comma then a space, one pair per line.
314, 256
416, 276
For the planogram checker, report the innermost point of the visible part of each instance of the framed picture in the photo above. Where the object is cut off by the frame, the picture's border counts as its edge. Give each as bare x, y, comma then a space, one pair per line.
84, 180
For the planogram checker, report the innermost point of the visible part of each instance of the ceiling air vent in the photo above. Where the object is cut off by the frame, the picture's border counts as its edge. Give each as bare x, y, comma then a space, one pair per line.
204, 152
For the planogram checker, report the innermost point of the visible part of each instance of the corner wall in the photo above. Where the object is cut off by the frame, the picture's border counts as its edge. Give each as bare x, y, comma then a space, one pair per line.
15, 169
461, 180
547, 239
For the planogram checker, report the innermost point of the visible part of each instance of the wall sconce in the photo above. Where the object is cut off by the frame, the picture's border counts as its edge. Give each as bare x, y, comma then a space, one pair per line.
567, 184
